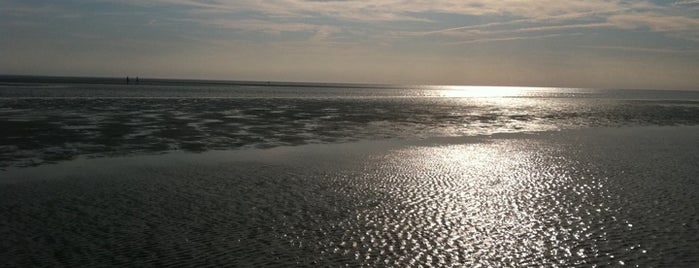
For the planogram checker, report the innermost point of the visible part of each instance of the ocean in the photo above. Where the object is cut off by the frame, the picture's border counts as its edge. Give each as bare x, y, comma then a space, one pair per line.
97, 172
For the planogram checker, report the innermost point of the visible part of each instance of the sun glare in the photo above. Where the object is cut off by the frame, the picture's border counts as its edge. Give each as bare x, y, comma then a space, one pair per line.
481, 91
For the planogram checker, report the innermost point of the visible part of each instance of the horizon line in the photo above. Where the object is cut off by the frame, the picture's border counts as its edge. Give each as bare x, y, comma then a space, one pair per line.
66, 79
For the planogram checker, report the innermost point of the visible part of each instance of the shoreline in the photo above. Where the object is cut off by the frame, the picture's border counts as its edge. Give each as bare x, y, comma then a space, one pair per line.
256, 153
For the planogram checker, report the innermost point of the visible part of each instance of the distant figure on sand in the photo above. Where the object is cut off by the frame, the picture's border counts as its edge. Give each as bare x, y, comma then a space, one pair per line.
127, 79
137, 80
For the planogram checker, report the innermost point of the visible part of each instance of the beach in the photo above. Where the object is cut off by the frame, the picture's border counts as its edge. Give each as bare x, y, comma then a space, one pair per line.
595, 196
334, 133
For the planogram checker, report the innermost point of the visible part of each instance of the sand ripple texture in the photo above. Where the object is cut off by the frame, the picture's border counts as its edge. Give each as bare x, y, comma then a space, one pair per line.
568, 199
43, 130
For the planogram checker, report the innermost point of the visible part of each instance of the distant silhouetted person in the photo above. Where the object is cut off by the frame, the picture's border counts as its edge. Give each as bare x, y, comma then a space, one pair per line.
127, 79
137, 80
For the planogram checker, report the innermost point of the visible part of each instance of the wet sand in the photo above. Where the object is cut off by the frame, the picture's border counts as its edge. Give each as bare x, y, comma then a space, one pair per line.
572, 198
63, 122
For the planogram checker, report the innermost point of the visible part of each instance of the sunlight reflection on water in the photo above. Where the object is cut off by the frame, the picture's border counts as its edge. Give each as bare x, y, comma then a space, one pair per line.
101, 120
488, 204
483, 91
570, 198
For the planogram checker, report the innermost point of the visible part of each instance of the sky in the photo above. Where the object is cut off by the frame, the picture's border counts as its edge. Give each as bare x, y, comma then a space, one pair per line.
591, 43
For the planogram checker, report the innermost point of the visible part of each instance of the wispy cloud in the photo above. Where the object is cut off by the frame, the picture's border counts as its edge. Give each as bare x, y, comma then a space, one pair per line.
686, 2
513, 38
396, 10
275, 16
645, 49
379, 34
654, 22
475, 32
258, 25
565, 27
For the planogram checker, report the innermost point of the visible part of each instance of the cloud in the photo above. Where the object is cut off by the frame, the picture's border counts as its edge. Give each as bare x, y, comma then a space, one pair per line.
298, 39
686, 2
474, 32
513, 38
645, 49
679, 27
397, 10
654, 22
258, 25
322, 18
622, 14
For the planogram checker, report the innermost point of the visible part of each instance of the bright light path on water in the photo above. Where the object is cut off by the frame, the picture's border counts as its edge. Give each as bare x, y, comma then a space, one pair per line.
483, 91
489, 204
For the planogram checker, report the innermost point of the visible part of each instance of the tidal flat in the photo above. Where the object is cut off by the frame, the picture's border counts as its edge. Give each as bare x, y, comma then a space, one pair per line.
586, 197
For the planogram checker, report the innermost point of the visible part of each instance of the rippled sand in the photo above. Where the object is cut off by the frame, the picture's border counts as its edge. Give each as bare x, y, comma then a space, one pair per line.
571, 198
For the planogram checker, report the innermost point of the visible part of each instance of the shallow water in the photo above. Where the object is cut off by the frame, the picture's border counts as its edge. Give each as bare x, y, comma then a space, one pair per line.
49, 123
191, 174
599, 196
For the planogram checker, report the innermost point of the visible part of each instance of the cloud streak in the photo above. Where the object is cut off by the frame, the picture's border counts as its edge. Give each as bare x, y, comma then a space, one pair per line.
646, 49
503, 39
655, 22
546, 15
274, 16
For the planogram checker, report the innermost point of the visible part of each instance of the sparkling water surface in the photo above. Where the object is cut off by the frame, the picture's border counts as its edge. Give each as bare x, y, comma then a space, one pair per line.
203, 176
47, 123
572, 198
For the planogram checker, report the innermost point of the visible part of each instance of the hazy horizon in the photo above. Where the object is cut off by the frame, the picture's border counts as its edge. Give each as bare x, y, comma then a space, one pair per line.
145, 80
586, 44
